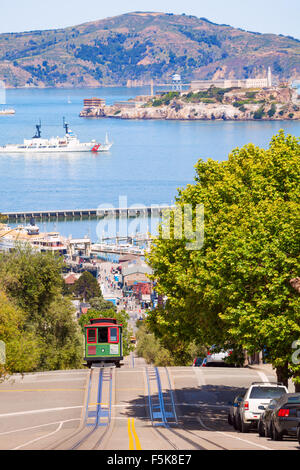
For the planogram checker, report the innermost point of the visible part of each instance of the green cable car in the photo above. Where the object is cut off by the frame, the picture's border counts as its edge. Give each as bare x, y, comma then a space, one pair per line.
103, 342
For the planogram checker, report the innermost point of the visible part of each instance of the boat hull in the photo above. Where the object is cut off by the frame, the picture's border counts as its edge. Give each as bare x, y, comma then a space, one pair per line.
85, 148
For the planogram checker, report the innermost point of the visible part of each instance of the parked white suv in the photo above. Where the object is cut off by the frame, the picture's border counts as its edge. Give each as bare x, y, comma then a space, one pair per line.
257, 397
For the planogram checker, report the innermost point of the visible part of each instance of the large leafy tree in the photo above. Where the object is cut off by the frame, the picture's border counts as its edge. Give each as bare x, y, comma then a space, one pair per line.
33, 279
87, 286
36, 322
236, 289
22, 351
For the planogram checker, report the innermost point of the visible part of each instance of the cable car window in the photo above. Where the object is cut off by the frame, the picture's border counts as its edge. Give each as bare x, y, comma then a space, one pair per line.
102, 335
113, 335
91, 335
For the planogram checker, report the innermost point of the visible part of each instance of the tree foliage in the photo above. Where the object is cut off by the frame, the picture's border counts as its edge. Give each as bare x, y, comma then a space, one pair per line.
37, 323
86, 286
236, 289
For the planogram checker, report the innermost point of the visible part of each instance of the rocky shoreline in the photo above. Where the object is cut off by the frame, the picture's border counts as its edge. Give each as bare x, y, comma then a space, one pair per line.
276, 103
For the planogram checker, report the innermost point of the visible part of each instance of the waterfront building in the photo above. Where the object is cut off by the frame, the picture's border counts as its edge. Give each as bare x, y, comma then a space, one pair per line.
93, 102
136, 272
92, 107
126, 104
233, 83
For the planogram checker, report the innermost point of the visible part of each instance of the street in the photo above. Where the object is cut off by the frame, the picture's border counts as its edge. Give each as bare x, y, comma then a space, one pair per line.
62, 410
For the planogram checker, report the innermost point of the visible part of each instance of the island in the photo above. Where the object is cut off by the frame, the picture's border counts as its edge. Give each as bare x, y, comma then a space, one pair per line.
280, 102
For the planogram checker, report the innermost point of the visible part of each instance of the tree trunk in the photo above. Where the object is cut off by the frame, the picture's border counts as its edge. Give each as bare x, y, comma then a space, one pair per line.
297, 387
282, 373
297, 384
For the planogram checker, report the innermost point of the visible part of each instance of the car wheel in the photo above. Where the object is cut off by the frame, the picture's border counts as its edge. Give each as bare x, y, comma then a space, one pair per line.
234, 423
276, 436
245, 427
261, 429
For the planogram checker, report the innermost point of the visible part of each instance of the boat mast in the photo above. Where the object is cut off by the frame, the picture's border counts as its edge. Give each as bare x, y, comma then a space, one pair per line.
66, 125
38, 131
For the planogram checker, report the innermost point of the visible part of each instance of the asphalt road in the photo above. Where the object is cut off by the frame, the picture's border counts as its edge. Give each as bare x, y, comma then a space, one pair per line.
136, 407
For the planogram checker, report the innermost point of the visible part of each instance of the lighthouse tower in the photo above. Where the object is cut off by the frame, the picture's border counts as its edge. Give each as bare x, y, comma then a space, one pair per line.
269, 77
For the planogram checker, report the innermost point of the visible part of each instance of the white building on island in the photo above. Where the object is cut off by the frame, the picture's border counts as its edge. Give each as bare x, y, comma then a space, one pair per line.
234, 83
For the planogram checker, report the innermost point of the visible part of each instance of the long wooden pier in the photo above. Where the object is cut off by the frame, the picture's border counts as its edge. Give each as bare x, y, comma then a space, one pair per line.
134, 211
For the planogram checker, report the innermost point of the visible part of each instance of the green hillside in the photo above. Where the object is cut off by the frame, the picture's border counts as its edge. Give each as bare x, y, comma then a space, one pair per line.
143, 46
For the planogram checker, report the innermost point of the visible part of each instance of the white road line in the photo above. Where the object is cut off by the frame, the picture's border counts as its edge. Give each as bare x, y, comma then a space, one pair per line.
231, 436
263, 376
38, 426
41, 437
46, 410
49, 373
199, 376
244, 440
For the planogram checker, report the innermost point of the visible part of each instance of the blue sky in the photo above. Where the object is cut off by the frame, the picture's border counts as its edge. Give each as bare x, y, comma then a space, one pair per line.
265, 16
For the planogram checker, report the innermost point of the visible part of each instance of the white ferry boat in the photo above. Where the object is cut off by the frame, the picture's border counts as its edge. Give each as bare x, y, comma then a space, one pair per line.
68, 143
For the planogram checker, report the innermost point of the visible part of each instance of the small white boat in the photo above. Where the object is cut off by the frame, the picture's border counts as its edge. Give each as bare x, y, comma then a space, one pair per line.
4, 112
68, 143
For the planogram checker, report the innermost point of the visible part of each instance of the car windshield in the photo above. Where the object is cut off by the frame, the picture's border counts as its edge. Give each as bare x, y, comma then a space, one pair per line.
267, 392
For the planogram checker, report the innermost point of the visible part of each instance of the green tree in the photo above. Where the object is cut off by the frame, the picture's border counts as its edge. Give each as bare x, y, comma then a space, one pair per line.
46, 333
272, 110
32, 279
236, 289
22, 347
150, 348
98, 303
60, 336
87, 286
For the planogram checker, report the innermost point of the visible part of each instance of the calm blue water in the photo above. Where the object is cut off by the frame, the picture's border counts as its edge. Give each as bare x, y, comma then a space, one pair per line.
147, 163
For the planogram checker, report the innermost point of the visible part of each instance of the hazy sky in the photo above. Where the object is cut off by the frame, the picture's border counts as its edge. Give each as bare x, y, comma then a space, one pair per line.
265, 16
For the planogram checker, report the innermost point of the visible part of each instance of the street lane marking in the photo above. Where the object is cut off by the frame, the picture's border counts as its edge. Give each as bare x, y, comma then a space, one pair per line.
38, 426
46, 410
137, 441
200, 377
133, 437
129, 389
43, 390
39, 438
131, 444
263, 376
232, 437
102, 404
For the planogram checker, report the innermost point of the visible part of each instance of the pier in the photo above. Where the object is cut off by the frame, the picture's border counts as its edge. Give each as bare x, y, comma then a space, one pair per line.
134, 211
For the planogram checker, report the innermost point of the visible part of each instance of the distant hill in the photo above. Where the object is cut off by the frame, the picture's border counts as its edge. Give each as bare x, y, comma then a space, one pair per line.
143, 46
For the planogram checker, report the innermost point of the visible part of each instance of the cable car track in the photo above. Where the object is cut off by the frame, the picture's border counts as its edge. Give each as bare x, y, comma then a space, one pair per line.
102, 412
164, 423
99, 387
97, 419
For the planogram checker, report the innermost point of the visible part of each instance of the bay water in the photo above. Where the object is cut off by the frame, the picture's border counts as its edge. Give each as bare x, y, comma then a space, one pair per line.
148, 161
